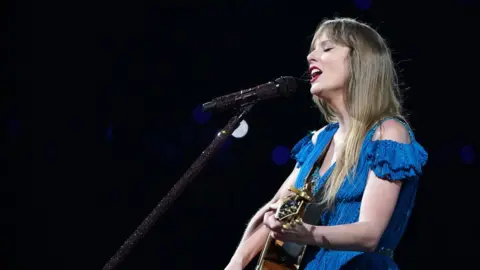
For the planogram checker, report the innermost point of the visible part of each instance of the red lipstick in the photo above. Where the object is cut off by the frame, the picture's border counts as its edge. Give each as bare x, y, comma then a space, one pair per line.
315, 72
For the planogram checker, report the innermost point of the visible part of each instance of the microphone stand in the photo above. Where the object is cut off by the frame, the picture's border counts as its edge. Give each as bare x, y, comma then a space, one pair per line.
178, 188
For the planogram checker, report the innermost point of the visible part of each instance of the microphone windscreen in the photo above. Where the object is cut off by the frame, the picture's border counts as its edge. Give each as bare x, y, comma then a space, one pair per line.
287, 85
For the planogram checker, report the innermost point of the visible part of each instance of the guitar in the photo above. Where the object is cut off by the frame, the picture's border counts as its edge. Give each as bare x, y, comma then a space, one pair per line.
278, 255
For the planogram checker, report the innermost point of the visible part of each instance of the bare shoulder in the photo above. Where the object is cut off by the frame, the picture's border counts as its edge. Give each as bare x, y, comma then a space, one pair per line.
392, 130
316, 133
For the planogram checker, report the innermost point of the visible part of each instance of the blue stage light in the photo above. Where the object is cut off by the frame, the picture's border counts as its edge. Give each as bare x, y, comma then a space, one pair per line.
468, 155
280, 155
363, 4
200, 116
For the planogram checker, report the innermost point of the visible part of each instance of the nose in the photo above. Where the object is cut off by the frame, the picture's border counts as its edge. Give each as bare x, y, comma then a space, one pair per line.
311, 57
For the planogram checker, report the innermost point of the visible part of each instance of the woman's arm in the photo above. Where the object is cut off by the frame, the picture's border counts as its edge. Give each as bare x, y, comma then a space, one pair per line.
378, 203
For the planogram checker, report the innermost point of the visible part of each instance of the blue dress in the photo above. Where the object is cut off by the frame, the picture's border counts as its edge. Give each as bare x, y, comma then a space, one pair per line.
389, 160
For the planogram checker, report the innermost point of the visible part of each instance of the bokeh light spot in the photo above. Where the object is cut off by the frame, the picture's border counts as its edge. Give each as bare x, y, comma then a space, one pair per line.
363, 4
280, 155
200, 116
241, 130
468, 155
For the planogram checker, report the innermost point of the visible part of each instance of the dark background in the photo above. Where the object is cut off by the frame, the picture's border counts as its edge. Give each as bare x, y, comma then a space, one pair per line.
100, 107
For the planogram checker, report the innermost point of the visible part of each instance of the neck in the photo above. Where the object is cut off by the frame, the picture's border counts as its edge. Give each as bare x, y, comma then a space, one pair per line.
338, 105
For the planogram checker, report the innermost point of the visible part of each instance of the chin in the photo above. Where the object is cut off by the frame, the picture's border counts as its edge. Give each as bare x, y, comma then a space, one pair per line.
316, 90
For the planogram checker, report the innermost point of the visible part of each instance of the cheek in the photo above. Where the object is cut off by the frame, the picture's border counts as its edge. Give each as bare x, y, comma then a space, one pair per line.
343, 71
330, 63
335, 69
339, 70
336, 73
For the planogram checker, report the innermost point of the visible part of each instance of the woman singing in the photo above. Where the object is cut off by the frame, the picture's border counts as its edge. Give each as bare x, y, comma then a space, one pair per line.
367, 179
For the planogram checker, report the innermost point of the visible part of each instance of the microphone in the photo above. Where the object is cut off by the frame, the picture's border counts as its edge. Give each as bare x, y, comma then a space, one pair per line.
283, 86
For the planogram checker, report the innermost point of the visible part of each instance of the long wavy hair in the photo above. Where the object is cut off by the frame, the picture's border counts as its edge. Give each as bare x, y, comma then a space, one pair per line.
372, 92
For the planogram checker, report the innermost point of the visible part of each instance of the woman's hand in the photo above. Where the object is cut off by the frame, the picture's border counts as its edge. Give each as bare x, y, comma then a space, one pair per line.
298, 233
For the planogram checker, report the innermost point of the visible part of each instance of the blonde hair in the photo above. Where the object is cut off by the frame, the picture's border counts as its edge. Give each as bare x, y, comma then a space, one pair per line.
372, 92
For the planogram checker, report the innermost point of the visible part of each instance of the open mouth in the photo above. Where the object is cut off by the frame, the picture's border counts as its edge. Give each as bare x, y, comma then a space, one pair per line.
315, 72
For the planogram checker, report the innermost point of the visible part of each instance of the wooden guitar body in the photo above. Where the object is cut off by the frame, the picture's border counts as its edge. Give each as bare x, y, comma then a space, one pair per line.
275, 257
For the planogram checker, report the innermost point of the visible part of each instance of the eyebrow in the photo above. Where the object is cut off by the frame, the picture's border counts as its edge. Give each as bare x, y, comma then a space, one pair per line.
324, 42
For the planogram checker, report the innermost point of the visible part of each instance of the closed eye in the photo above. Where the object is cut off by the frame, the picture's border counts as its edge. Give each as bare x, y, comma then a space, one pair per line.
327, 49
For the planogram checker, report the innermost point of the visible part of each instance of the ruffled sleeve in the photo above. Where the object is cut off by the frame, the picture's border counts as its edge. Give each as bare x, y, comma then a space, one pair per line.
302, 149
391, 160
